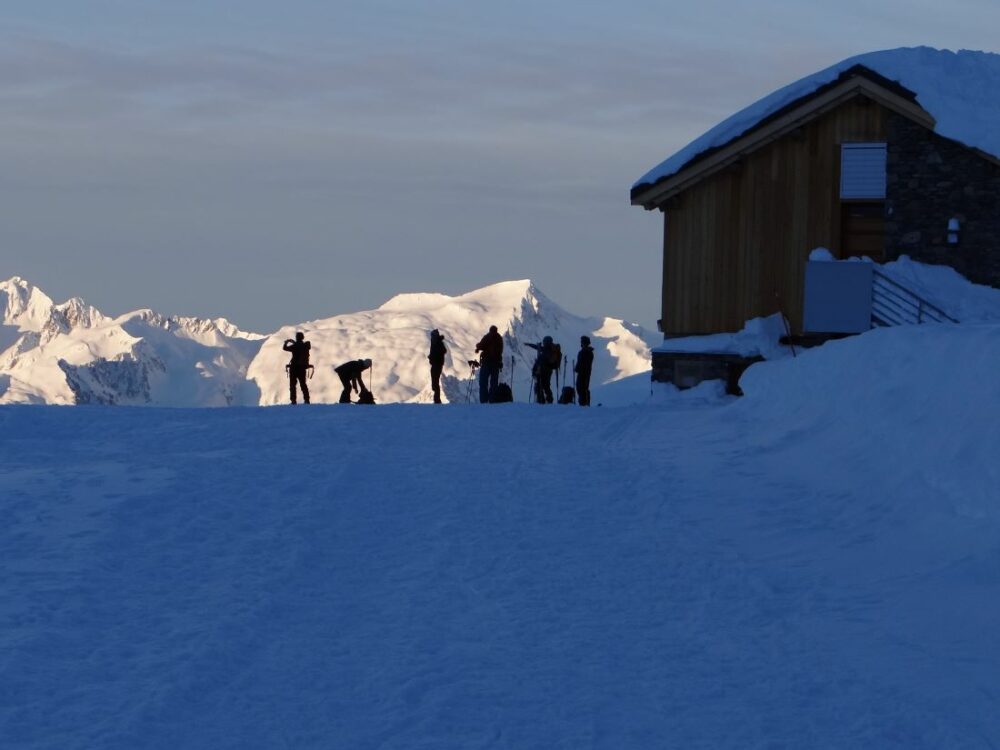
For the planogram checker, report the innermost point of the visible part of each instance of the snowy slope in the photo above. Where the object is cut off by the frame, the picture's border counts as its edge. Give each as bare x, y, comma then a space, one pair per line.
946, 288
960, 90
395, 338
815, 565
73, 354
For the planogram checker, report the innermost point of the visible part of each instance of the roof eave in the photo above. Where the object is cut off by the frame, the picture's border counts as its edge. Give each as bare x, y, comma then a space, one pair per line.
652, 196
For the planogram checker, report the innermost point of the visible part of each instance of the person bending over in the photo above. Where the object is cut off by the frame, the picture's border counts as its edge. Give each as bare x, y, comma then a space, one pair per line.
350, 377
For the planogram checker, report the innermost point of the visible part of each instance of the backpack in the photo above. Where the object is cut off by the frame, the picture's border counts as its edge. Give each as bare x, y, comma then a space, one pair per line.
555, 356
366, 397
501, 394
568, 395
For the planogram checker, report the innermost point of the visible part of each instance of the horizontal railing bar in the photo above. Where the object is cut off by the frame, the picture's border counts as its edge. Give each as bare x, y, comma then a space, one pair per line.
879, 276
890, 294
901, 312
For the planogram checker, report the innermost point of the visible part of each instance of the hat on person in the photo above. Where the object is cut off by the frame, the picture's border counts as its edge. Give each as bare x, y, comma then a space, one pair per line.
585, 340
547, 340
368, 363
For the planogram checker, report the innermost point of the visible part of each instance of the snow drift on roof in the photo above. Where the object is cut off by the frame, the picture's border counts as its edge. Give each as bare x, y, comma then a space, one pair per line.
960, 90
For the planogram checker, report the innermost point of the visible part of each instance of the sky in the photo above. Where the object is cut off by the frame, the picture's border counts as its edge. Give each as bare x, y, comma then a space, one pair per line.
277, 163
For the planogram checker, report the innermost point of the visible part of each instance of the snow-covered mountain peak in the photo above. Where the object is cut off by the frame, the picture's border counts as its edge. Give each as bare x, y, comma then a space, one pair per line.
72, 353
395, 337
205, 330
78, 313
416, 302
230, 329
505, 294
24, 305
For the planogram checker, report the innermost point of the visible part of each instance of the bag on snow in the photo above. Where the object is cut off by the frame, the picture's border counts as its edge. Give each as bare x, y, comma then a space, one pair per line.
501, 394
366, 397
568, 395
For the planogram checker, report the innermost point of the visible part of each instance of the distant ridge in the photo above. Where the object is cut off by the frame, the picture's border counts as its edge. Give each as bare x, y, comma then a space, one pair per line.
71, 353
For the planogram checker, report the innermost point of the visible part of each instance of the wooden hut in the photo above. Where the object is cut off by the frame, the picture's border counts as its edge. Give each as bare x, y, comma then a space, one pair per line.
851, 161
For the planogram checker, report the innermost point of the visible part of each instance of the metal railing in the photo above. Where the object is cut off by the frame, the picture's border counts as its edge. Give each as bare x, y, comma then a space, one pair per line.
895, 305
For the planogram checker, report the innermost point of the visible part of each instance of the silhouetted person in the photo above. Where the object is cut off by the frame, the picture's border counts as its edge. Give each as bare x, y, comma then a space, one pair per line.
490, 363
350, 376
436, 358
299, 365
584, 365
546, 361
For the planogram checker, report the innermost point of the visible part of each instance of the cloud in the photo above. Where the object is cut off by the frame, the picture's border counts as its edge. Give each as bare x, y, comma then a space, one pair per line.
493, 85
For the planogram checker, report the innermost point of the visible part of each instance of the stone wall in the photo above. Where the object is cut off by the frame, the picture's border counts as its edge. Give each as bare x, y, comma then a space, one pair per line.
688, 369
931, 180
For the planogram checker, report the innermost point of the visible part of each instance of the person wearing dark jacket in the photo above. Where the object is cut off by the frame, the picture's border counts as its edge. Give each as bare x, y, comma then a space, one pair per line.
350, 376
584, 364
545, 363
436, 358
299, 365
490, 363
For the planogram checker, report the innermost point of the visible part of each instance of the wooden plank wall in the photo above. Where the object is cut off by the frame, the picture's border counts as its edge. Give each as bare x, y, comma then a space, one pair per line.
737, 242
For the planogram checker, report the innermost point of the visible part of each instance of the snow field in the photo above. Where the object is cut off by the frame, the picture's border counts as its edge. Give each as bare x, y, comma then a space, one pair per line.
814, 565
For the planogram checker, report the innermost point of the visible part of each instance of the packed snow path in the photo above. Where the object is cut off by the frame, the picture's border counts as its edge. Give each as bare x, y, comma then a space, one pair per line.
717, 576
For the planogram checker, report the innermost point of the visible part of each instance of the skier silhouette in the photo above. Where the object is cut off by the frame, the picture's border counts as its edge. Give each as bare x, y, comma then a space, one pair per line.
584, 366
546, 361
436, 358
299, 365
490, 363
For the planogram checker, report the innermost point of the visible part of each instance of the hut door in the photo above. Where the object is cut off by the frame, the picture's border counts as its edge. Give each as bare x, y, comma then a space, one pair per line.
863, 230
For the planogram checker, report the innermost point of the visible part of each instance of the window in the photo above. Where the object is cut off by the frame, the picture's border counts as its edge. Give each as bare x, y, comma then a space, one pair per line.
862, 171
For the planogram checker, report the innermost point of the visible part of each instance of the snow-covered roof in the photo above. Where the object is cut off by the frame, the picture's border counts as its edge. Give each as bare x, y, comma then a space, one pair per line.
960, 90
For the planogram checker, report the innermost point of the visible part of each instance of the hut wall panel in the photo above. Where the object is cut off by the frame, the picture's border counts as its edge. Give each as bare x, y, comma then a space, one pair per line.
736, 243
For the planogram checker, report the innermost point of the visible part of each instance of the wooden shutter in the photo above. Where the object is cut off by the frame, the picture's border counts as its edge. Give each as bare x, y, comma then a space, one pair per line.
862, 171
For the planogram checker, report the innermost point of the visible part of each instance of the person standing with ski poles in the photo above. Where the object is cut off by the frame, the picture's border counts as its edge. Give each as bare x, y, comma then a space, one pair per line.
299, 365
490, 363
436, 358
548, 359
583, 367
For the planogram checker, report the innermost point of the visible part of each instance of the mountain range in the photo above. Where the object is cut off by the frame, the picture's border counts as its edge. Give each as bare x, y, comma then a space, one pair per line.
71, 353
